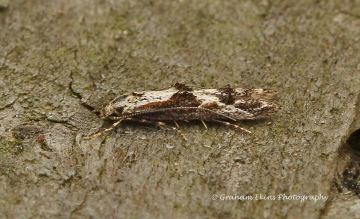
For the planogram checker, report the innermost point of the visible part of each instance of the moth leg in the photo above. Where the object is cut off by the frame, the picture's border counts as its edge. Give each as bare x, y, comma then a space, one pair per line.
158, 124
202, 121
179, 131
232, 125
103, 131
177, 126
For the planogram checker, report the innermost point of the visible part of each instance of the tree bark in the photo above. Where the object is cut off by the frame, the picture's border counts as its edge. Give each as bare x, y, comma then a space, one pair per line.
61, 61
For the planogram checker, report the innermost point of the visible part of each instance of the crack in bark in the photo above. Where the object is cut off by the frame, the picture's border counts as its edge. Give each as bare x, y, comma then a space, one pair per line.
78, 95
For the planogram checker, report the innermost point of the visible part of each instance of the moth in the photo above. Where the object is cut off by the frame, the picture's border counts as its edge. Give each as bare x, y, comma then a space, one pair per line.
180, 102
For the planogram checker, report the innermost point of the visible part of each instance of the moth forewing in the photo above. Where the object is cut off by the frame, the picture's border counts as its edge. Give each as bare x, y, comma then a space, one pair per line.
180, 102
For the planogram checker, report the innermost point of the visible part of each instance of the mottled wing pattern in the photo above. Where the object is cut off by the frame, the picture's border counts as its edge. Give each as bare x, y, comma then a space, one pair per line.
180, 102
239, 103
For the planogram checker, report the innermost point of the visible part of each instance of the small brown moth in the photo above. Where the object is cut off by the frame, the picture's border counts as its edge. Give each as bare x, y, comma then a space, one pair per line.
180, 102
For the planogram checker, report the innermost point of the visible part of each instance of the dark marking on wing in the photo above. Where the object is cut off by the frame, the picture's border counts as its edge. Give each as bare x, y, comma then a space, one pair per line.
227, 95
119, 110
182, 87
185, 99
248, 105
257, 107
138, 94
178, 99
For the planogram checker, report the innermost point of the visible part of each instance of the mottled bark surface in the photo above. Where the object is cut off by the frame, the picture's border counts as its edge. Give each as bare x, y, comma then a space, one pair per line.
308, 51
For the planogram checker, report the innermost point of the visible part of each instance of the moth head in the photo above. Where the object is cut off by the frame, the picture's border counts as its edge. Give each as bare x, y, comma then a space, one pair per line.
114, 108
107, 111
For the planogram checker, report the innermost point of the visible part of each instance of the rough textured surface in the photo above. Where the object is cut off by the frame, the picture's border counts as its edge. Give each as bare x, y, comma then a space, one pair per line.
307, 51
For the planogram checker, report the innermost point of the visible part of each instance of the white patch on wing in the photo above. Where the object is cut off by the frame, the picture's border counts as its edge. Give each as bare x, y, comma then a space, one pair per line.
208, 96
131, 102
